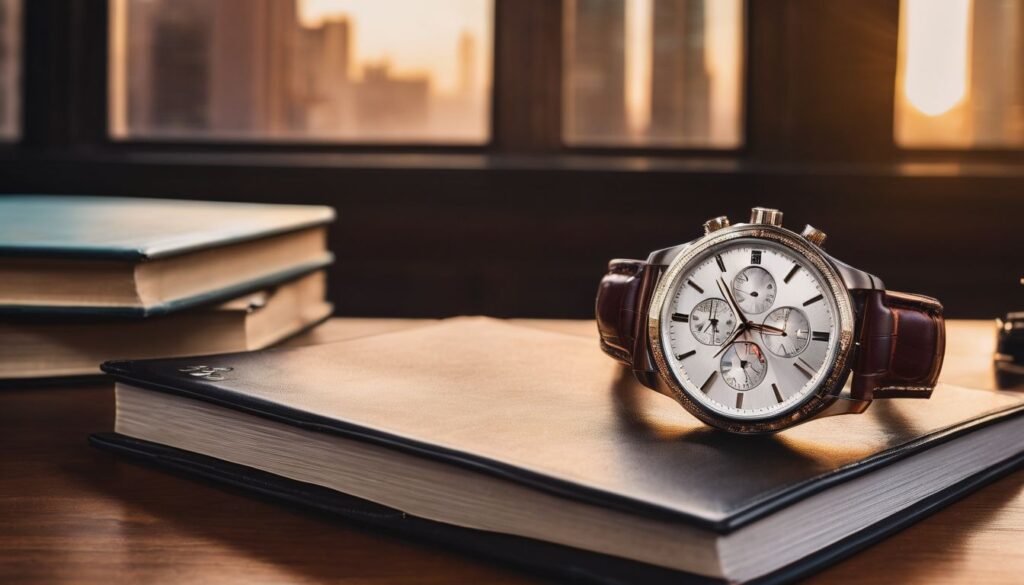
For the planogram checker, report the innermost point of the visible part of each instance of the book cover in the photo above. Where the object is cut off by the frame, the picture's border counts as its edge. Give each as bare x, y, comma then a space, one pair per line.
135, 229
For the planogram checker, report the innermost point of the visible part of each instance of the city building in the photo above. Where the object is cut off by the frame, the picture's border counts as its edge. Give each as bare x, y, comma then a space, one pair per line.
680, 84
596, 65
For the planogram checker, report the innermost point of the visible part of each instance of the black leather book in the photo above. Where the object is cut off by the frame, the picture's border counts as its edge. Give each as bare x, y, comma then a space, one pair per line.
531, 447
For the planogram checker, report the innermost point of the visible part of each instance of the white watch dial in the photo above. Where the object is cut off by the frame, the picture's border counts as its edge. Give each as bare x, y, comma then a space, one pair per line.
769, 358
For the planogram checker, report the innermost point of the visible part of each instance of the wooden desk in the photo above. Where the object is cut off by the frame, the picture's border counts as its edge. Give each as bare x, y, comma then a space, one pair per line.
71, 513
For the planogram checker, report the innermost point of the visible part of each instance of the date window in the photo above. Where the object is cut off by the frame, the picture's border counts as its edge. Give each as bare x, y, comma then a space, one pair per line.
755, 257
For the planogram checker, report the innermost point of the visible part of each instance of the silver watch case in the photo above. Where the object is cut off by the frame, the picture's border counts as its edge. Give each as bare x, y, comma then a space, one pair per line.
840, 278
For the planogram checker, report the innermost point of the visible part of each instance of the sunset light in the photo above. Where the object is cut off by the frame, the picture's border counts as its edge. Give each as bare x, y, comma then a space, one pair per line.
652, 72
958, 74
321, 70
936, 75
414, 37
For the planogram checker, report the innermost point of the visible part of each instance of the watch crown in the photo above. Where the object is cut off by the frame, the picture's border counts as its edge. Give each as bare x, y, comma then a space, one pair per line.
813, 235
766, 215
716, 223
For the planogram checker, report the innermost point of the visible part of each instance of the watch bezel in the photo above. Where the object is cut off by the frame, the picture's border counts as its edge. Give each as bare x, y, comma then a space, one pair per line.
832, 383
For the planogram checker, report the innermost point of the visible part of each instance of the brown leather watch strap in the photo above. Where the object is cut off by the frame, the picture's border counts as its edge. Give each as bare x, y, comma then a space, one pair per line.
901, 343
621, 310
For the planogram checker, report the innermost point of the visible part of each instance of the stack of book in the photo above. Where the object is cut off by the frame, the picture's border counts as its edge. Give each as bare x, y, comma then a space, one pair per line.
87, 279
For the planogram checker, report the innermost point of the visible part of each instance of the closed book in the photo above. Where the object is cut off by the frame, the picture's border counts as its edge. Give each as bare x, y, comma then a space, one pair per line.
532, 447
47, 349
140, 257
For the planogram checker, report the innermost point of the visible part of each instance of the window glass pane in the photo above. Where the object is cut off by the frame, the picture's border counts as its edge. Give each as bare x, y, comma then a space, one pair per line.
653, 73
10, 69
337, 70
960, 78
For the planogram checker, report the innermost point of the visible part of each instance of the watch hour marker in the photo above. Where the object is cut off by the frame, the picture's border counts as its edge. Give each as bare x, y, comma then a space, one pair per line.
683, 356
707, 383
778, 395
755, 257
819, 335
792, 271
721, 263
680, 317
812, 300
695, 287
739, 400
804, 367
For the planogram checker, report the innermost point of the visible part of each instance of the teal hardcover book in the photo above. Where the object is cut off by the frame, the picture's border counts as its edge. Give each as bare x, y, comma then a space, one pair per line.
141, 257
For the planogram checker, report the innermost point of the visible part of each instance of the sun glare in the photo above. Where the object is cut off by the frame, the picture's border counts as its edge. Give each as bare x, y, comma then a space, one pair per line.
639, 14
937, 53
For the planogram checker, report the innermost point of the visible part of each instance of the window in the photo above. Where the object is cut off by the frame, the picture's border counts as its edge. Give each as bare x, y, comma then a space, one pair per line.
960, 81
10, 69
663, 73
408, 71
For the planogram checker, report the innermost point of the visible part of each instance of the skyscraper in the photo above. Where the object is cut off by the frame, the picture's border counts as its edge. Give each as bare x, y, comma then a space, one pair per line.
10, 67
180, 42
391, 106
596, 84
251, 79
238, 69
995, 96
223, 66
467, 63
680, 85
322, 99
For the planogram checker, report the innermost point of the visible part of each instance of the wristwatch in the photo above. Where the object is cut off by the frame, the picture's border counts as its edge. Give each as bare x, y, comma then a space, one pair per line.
753, 328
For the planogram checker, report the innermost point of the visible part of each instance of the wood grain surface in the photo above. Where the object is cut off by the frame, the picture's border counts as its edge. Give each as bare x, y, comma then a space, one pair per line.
72, 514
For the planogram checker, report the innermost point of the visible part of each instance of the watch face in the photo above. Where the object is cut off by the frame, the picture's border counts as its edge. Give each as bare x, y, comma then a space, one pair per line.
749, 329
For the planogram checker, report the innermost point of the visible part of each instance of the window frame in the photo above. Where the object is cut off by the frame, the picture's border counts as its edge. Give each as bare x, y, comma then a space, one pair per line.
297, 144
525, 102
64, 91
656, 150
998, 154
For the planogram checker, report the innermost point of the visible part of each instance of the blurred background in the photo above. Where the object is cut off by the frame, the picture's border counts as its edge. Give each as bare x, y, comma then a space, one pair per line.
490, 156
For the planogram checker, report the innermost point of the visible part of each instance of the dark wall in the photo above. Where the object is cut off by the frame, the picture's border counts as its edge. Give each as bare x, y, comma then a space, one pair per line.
531, 238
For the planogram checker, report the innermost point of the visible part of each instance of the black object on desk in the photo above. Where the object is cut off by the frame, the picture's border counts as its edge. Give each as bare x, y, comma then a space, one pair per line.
1009, 356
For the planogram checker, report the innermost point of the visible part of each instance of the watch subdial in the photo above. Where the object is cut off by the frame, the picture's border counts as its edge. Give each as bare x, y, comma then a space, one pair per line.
754, 289
743, 365
796, 332
711, 321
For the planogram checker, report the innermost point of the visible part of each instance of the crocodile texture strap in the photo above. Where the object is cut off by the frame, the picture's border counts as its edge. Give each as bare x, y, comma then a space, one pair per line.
622, 300
901, 343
